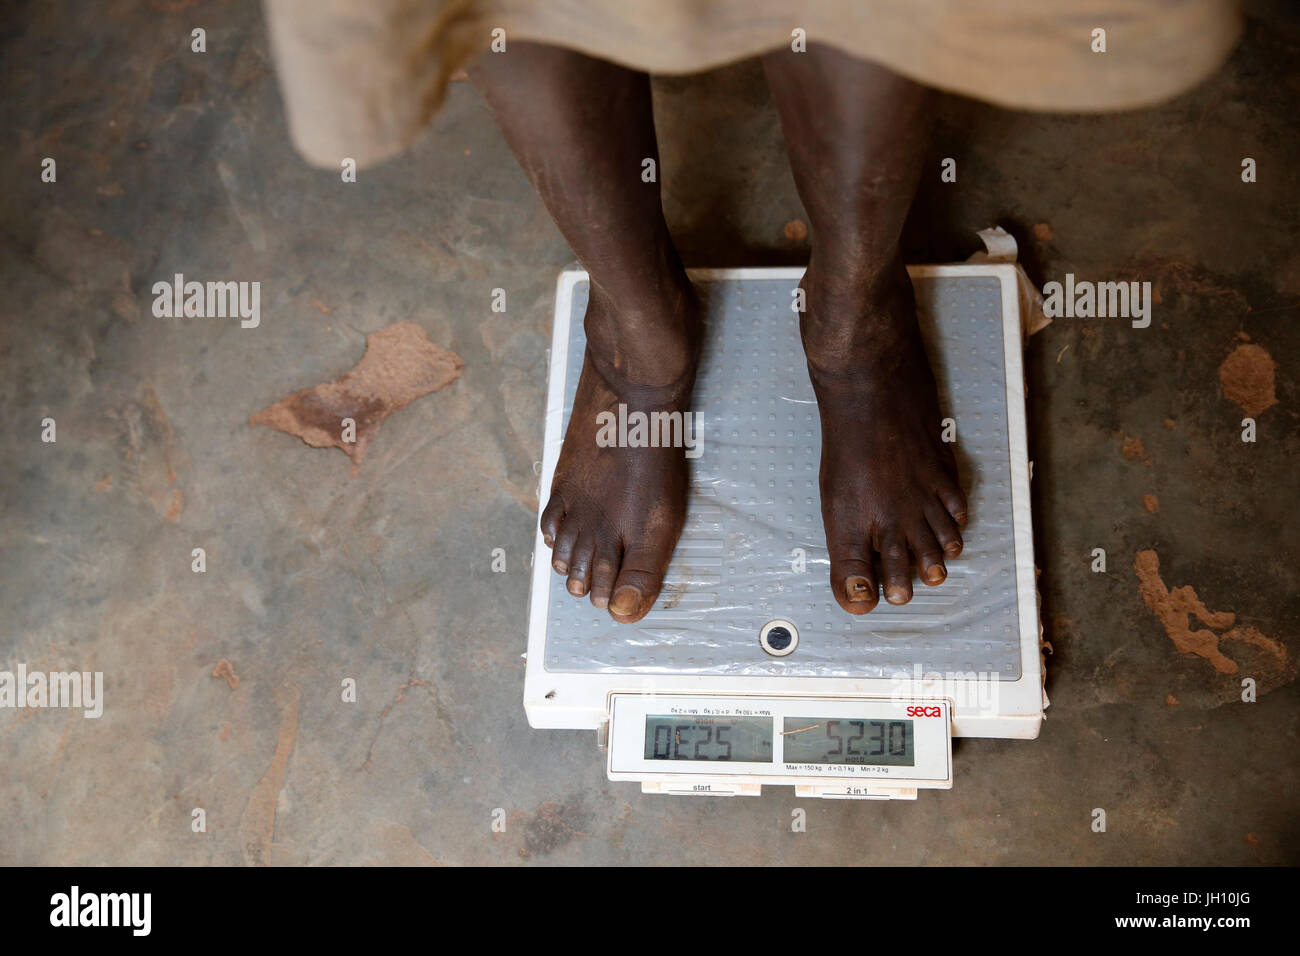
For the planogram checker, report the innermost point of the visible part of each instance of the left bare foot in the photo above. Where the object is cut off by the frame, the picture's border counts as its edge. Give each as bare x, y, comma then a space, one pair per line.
888, 481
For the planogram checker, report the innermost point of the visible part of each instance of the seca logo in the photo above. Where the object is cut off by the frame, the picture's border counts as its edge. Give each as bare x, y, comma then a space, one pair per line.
924, 712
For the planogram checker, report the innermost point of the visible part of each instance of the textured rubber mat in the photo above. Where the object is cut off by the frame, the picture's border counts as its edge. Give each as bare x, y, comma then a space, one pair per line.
754, 511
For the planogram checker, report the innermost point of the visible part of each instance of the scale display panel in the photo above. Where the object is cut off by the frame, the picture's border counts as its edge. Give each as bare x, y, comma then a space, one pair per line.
684, 741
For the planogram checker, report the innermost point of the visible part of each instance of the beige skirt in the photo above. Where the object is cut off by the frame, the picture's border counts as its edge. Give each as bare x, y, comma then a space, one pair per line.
361, 78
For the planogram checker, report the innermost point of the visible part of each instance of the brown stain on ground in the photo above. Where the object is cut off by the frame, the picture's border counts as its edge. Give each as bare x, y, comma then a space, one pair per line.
553, 825
411, 681
1173, 608
1249, 635
1247, 379
148, 447
227, 670
400, 365
257, 824
1151, 503
1132, 449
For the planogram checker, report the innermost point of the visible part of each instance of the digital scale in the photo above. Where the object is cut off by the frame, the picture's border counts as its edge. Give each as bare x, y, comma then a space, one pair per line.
747, 672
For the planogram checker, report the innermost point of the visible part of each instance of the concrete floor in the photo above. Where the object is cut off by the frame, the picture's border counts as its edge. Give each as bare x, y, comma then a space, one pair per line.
174, 162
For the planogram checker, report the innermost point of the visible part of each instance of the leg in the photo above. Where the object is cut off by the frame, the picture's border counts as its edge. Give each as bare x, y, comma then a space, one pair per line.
581, 127
856, 134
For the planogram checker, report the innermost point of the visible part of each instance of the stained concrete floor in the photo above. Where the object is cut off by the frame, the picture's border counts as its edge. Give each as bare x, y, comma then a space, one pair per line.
171, 162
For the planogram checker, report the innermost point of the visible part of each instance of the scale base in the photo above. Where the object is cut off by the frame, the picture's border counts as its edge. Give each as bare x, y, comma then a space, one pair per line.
752, 556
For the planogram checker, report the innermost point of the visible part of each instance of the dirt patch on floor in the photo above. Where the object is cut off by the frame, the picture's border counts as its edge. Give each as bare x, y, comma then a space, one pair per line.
226, 670
399, 366
1249, 635
149, 452
553, 826
1176, 607
257, 824
1247, 379
1132, 449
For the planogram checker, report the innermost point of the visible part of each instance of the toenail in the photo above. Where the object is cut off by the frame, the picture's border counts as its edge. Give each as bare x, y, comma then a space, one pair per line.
953, 549
576, 588
549, 539
560, 566
896, 595
936, 573
859, 589
625, 600
600, 600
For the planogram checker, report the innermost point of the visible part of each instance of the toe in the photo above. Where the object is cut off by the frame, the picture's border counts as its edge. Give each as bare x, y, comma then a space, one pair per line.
896, 565
604, 571
853, 581
929, 556
580, 561
552, 516
562, 551
639, 579
945, 529
955, 501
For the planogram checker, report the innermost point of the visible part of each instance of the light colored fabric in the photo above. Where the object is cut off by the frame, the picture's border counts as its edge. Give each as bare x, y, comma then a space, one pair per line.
361, 78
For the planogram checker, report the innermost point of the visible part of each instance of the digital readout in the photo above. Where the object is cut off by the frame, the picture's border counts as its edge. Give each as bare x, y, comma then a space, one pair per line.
696, 737
883, 743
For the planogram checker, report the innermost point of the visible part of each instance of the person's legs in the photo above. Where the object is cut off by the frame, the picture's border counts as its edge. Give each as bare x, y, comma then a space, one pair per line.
581, 128
856, 135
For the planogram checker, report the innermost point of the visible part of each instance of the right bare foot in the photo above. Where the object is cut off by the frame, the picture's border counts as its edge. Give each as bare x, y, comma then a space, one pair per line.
615, 514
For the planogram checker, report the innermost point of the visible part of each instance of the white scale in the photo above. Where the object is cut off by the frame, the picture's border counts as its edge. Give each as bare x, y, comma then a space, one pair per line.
746, 672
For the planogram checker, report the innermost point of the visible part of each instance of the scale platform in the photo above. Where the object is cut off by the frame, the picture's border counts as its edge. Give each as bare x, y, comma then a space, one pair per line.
746, 672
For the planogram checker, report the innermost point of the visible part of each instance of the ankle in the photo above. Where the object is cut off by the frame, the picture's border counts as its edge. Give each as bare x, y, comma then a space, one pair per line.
647, 341
856, 320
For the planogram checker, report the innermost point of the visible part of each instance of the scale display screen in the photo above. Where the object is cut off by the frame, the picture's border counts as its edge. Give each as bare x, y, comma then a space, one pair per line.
737, 744
696, 737
817, 740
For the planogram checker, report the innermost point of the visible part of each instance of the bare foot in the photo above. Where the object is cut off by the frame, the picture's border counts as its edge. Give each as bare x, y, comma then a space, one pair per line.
889, 484
615, 514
